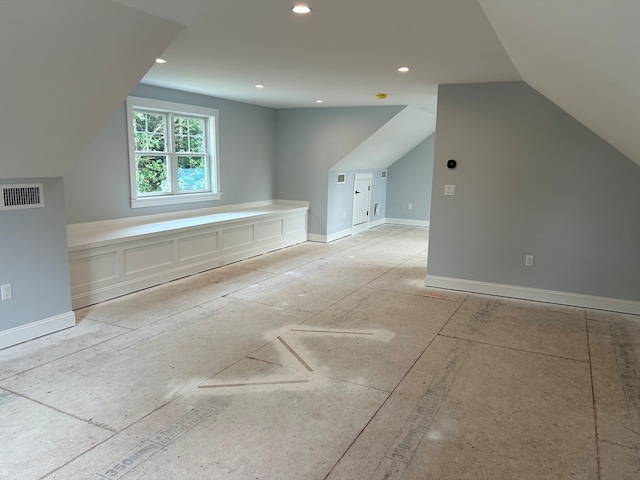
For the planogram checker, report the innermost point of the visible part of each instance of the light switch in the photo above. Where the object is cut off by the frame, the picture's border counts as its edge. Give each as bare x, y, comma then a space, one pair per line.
449, 189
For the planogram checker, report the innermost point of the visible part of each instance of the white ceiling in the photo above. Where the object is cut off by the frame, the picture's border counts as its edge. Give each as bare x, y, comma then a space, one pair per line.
343, 52
66, 64
584, 55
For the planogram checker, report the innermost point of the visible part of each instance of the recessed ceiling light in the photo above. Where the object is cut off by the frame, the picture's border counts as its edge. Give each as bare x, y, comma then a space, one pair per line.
301, 9
259, 85
160, 60
403, 69
318, 101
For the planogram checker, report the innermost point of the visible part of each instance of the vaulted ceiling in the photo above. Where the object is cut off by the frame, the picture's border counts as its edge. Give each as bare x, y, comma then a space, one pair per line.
584, 55
65, 65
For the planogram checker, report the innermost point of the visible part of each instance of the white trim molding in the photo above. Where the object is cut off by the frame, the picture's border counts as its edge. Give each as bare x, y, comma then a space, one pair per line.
158, 200
376, 223
314, 237
408, 222
536, 294
36, 329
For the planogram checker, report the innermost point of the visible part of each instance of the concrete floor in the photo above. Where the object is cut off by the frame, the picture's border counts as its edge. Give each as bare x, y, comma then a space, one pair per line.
325, 361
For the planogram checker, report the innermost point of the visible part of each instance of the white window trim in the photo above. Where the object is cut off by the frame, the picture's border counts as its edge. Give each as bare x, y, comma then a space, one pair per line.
172, 199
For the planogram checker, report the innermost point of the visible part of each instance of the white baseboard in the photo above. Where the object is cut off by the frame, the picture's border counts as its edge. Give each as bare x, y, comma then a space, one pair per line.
39, 328
314, 237
536, 294
360, 228
408, 222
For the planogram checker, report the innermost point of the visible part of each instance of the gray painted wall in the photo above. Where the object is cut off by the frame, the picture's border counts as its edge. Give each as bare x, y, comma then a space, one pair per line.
34, 258
97, 186
310, 141
340, 199
531, 180
409, 182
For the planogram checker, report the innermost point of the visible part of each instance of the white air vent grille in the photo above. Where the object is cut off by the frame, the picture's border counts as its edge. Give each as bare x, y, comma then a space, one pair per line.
22, 196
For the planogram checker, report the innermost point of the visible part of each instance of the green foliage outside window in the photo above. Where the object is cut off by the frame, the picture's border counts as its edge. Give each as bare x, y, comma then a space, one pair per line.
151, 174
150, 132
188, 134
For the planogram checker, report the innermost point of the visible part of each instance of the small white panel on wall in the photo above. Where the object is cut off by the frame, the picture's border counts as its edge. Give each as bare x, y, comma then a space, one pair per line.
295, 224
266, 230
93, 269
147, 257
197, 245
237, 237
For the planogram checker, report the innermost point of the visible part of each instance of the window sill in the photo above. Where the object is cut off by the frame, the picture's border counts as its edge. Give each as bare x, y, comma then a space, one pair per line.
174, 199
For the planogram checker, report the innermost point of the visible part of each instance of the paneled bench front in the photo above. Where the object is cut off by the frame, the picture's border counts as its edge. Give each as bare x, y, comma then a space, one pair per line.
111, 258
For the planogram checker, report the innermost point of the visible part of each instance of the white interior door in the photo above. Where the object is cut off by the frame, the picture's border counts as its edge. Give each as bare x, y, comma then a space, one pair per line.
361, 198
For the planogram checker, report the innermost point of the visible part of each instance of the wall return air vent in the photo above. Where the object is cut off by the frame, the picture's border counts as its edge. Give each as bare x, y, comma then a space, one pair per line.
21, 196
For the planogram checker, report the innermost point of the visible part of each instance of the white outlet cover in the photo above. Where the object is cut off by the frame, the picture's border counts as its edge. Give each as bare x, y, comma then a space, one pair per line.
449, 189
6, 291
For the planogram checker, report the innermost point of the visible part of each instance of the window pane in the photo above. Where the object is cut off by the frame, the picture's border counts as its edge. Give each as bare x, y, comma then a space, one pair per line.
156, 143
180, 125
196, 145
196, 127
155, 123
142, 142
192, 173
152, 174
189, 134
139, 122
196, 135
149, 132
182, 143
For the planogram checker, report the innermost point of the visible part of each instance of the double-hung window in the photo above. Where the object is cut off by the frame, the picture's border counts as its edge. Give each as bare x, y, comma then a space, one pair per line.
172, 152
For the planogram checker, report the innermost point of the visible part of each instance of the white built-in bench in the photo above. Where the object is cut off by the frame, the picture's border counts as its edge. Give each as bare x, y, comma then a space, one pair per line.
114, 257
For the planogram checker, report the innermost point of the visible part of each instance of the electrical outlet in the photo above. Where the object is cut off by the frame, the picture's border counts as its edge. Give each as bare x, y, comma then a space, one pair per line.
528, 261
409, 206
449, 189
6, 291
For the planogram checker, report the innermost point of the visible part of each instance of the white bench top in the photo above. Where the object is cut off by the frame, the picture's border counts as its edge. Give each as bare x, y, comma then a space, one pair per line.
81, 236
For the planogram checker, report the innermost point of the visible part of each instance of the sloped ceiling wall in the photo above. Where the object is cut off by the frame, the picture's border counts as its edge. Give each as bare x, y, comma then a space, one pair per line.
65, 66
390, 142
583, 55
